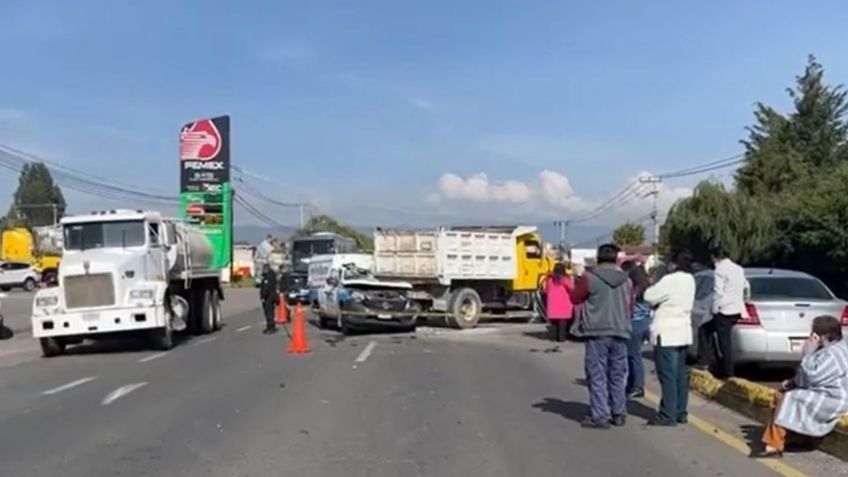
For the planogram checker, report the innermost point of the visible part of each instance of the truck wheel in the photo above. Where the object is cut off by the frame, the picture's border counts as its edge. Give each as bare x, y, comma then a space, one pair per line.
163, 340
465, 308
29, 284
217, 317
207, 313
51, 347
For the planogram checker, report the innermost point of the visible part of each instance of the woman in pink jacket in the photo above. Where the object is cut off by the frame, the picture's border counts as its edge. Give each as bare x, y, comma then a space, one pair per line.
558, 303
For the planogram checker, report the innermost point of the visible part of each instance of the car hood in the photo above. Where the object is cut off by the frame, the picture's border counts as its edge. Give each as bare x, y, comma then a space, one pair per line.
373, 283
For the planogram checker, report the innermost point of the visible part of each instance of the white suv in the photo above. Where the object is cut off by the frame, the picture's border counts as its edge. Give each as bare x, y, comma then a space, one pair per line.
17, 275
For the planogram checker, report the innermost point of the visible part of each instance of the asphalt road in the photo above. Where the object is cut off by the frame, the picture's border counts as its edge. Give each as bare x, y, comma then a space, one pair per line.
493, 402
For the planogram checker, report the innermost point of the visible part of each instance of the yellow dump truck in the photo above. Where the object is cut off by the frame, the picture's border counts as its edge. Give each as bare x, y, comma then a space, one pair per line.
464, 271
41, 247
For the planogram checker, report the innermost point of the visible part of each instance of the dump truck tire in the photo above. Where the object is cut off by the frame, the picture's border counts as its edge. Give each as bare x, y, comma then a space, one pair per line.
465, 308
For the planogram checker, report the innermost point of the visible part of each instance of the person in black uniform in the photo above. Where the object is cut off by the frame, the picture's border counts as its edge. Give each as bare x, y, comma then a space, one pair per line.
270, 297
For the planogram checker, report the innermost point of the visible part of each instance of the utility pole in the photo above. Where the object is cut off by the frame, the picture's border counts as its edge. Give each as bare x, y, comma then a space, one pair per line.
563, 227
654, 181
300, 208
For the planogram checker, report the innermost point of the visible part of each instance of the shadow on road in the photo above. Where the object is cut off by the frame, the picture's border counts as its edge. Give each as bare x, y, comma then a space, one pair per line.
120, 345
577, 411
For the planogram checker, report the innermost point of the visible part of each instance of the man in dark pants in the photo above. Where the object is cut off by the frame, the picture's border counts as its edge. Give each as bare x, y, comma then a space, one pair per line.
728, 305
270, 297
606, 295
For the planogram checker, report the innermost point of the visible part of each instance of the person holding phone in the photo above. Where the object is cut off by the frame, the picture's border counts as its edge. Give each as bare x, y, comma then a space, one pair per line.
810, 404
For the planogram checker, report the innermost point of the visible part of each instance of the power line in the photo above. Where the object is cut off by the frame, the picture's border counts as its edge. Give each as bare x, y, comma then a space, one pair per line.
255, 212
708, 167
98, 188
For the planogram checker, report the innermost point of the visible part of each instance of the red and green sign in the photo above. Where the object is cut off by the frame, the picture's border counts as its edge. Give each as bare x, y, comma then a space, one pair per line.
206, 196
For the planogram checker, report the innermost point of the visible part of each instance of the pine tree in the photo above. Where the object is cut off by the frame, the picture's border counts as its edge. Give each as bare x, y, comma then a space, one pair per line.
38, 200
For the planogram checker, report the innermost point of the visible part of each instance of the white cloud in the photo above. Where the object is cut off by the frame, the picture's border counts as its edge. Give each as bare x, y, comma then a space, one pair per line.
556, 190
478, 188
550, 189
422, 104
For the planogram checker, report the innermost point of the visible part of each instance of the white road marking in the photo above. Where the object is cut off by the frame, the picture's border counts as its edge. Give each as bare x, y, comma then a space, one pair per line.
65, 387
152, 357
244, 328
121, 392
205, 340
366, 352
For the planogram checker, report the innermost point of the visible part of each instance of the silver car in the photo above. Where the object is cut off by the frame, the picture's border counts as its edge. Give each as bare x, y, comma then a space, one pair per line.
779, 315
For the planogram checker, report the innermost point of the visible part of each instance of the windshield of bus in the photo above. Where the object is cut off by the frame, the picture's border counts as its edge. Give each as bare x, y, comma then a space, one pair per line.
120, 234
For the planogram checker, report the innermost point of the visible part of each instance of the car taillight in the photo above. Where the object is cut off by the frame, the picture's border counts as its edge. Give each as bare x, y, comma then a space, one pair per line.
845, 316
753, 318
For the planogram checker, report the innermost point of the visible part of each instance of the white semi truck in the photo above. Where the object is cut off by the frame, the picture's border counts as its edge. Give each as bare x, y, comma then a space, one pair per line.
128, 271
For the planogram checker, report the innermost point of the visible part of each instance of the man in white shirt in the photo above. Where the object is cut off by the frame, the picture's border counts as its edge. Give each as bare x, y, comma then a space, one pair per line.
728, 306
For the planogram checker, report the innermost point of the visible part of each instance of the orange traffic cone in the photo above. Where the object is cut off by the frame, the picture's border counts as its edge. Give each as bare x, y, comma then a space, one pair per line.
299, 341
282, 311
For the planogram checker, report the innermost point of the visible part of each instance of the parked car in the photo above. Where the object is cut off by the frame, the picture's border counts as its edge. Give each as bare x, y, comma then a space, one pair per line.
353, 299
779, 315
18, 275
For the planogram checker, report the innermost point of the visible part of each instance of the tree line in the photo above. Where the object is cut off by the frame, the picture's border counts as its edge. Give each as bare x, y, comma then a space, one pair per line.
787, 205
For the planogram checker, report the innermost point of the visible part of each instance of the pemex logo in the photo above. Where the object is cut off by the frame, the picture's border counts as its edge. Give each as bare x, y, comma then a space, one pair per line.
200, 141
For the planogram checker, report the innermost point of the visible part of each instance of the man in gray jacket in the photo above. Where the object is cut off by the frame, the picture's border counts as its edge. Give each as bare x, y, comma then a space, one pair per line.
606, 294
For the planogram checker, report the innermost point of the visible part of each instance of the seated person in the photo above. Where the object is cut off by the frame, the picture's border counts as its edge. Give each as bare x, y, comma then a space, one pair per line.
810, 404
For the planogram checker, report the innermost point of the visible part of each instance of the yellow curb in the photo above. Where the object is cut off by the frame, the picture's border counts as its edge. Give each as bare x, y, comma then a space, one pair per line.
757, 401
734, 442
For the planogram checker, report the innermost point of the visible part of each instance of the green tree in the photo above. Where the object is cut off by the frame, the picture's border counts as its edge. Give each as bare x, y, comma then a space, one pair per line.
714, 216
38, 200
782, 151
325, 223
629, 234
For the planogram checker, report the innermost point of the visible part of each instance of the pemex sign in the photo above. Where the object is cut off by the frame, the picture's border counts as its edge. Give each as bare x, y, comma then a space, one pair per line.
205, 190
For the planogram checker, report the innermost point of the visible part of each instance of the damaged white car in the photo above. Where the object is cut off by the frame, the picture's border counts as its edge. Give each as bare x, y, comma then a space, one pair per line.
353, 299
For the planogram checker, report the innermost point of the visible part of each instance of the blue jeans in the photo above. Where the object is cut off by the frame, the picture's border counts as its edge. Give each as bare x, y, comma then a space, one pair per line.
636, 368
674, 381
606, 371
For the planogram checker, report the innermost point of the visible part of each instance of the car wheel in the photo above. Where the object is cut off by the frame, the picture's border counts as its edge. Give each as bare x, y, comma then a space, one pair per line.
342, 325
51, 347
323, 322
29, 284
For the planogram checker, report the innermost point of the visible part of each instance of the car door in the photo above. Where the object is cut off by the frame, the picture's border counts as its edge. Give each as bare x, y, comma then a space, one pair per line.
5, 274
20, 272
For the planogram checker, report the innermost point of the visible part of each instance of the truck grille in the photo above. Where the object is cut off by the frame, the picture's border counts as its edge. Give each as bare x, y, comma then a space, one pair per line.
83, 291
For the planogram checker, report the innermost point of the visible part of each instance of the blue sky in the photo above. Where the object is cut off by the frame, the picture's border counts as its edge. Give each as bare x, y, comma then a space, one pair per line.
360, 105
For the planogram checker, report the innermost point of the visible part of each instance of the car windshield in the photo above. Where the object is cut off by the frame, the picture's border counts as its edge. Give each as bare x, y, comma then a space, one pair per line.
123, 233
352, 272
788, 288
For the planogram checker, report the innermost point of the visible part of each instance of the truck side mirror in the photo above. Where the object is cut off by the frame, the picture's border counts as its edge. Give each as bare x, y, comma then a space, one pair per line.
332, 281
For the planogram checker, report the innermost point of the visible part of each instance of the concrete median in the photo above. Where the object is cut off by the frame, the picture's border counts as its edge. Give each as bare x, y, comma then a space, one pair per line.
757, 401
